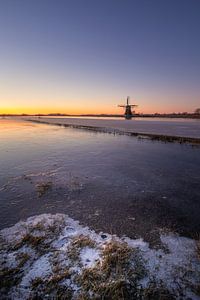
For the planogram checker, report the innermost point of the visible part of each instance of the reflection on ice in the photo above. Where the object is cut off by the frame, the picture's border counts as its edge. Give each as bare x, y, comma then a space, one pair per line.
112, 183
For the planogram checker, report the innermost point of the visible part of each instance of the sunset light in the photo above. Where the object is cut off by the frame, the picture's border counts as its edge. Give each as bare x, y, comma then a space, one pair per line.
63, 58
99, 149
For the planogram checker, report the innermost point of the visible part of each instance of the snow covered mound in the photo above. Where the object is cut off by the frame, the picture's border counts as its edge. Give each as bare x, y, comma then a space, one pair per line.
53, 256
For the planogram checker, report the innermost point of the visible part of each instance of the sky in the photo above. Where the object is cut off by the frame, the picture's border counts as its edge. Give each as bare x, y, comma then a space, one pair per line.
87, 56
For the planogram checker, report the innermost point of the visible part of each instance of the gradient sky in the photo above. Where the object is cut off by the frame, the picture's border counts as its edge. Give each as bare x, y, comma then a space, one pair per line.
86, 56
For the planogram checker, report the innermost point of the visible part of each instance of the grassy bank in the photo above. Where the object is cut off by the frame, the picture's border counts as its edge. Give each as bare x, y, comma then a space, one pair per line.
54, 256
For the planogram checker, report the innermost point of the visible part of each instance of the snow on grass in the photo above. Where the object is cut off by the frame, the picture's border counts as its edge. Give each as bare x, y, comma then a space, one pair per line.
54, 256
40, 268
89, 257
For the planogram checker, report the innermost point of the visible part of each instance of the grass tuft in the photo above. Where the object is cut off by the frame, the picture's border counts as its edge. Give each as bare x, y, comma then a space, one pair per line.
36, 242
43, 187
36, 282
61, 275
156, 293
9, 277
77, 244
114, 277
198, 248
23, 258
41, 287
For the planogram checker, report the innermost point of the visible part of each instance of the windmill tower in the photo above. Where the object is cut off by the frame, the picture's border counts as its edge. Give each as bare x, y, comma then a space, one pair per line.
128, 112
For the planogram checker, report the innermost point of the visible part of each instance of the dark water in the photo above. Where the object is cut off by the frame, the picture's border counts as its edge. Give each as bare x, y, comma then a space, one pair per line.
112, 183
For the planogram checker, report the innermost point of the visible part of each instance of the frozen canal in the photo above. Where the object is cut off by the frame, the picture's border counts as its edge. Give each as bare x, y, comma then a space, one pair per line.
116, 184
170, 127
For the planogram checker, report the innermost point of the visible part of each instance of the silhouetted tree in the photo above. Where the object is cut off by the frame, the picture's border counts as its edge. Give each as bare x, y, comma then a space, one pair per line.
197, 111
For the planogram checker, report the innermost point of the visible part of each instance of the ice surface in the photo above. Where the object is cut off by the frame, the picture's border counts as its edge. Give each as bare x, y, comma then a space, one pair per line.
181, 128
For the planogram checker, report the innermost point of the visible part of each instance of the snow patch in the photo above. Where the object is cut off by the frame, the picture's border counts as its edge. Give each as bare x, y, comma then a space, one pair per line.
89, 257
177, 269
41, 268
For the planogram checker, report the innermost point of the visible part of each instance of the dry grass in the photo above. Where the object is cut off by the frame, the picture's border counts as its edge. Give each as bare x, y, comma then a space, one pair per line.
39, 242
156, 293
43, 187
198, 248
53, 281
36, 282
82, 241
36, 242
23, 258
12, 276
41, 287
59, 276
113, 278
116, 276
77, 244
60, 292
197, 290
39, 227
9, 277
50, 230
116, 257
42, 226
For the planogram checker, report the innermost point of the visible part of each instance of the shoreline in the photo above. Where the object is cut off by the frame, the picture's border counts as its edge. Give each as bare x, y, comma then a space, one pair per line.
142, 135
188, 116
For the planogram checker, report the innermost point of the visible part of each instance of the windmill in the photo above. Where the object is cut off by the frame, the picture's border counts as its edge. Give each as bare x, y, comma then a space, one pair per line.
128, 112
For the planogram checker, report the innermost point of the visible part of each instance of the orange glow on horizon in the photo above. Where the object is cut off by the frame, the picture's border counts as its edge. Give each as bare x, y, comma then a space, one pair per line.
86, 110
90, 105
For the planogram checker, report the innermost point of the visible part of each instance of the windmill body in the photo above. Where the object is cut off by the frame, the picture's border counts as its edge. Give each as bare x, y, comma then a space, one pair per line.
128, 109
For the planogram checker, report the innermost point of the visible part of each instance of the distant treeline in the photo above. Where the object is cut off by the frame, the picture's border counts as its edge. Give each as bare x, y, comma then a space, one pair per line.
155, 115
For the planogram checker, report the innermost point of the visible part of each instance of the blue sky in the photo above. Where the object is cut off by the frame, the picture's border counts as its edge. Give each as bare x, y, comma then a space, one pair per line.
87, 56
